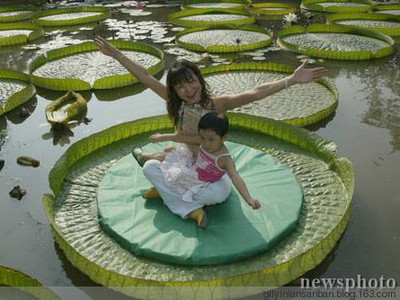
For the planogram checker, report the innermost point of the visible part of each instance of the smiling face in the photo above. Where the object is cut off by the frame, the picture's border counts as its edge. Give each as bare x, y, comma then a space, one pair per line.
189, 90
210, 140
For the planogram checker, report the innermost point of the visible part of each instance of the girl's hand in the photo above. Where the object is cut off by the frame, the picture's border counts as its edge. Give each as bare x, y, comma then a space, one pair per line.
105, 47
157, 137
303, 74
255, 204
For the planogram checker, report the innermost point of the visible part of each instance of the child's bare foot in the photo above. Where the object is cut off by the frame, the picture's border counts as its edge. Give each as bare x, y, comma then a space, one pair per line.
152, 193
200, 216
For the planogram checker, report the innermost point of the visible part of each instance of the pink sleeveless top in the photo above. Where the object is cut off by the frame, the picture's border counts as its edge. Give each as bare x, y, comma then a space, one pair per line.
207, 167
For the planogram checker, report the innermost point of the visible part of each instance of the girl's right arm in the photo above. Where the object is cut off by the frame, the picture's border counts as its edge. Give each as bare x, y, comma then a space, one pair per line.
138, 71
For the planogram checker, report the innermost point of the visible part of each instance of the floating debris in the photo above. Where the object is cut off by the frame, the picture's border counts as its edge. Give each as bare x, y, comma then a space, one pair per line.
28, 161
71, 106
2, 162
17, 192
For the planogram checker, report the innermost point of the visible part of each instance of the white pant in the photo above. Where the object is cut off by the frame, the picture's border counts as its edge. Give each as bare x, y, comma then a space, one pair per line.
214, 193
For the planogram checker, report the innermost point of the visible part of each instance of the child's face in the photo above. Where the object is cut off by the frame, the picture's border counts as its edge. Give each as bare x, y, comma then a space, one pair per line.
210, 140
189, 91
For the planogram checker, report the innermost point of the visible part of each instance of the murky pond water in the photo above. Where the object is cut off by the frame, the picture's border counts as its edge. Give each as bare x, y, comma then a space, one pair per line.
366, 128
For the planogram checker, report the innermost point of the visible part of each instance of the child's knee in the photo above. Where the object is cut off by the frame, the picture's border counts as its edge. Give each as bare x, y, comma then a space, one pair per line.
150, 167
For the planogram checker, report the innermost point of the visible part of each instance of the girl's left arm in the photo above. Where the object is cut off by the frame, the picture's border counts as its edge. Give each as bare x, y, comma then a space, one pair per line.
300, 75
228, 164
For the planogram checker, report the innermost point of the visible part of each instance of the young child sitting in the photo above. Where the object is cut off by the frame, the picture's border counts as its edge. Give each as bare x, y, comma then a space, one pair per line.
186, 175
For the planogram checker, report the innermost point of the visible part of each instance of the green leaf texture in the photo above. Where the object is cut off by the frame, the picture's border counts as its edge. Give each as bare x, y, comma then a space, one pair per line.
272, 9
230, 4
386, 24
224, 39
327, 184
19, 33
15, 89
300, 104
85, 68
13, 278
336, 42
71, 16
338, 6
211, 17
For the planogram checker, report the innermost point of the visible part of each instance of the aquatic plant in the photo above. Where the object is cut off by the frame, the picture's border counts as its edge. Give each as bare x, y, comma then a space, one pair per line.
19, 33
15, 89
327, 183
385, 24
71, 106
224, 38
85, 68
71, 16
301, 104
232, 4
336, 42
209, 17
16, 13
390, 9
272, 9
338, 6
14, 278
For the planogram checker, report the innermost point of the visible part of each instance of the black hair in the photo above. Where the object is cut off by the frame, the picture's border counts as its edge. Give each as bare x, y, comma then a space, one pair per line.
219, 123
180, 72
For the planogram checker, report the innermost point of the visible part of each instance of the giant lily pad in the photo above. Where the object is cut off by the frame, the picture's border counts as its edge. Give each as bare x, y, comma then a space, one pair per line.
338, 6
224, 39
207, 17
13, 278
390, 9
84, 67
19, 33
236, 4
272, 9
327, 183
336, 42
15, 13
389, 25
300, 104
15, 89
71, 16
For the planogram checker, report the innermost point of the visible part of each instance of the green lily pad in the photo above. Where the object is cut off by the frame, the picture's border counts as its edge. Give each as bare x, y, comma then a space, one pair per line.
14, 278
390, 9
71, 16
84, 67
15, 13
338, 6
273, 9
224, 39
207, 17
336, 42
19, 33
214, 5
327, 183
300, 104
386, 24
15, 89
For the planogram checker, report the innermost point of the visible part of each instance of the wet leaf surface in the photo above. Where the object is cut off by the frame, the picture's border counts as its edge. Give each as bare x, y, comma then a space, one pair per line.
8, 88
298, 101
369, 23
225, 37
91, 66
70, 16
13, 32
335, 41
